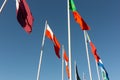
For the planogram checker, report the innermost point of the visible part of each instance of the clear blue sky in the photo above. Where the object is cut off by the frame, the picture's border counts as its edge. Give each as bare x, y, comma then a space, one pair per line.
19, 52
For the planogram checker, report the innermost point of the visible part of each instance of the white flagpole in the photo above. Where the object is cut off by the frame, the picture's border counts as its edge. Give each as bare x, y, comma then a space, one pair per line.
83, 76
95, 60
97, 70
87, 55
69, 40
62, 62
40, 61
5, 1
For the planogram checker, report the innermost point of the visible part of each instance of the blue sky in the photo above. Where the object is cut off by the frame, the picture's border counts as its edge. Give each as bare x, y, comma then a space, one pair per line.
19, 51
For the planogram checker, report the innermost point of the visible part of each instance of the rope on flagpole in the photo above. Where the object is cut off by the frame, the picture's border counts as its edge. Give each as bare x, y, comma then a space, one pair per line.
87, 55
5, 1
40, 61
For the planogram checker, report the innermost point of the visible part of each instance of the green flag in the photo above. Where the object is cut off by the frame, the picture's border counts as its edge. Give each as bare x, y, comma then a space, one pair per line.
72, 5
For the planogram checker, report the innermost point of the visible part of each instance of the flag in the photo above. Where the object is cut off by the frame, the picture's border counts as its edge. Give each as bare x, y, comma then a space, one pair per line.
94, 52
78, 17
52, 37
103, 70
97, 58
99, 62
66, 62
77, 75
24, 15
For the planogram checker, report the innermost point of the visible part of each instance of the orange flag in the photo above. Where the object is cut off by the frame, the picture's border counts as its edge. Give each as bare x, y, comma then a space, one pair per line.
77, 16
80, 21
94, 51
66, 62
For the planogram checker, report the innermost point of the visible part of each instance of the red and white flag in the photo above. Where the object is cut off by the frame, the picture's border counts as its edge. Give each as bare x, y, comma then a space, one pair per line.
66, 62
24, 15
49, 33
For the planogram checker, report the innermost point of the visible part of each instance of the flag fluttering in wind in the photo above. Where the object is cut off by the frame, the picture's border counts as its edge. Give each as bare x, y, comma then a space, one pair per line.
66, 63
49, 33
77, 75
24, 15
98, 60
103, 70
94, 52
78, 17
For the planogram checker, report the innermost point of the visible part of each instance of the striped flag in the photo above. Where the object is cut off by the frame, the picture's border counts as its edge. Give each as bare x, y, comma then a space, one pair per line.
49, 33
78, 17
66, 63
103, 70
24, 15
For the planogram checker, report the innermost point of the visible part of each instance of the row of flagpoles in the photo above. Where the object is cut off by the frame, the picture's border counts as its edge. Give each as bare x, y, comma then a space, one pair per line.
25, 19
84, 27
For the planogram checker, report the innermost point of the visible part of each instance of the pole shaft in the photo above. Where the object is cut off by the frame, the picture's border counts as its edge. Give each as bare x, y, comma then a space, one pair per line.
5, 1
62, 62
41, 53
97, 70
69, 40
87, 55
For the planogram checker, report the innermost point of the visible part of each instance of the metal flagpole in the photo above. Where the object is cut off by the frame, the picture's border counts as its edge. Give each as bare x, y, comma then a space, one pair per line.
69, 40
87, 55
95, 60
97, 70
83, 76
40, 61
5, 1
62, 62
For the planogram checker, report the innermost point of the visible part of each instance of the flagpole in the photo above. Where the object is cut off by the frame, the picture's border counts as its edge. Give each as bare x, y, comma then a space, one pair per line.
83, 76
62, 62
95, 60
97, 70
69, 40
40, 61
5, 1
90, 74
